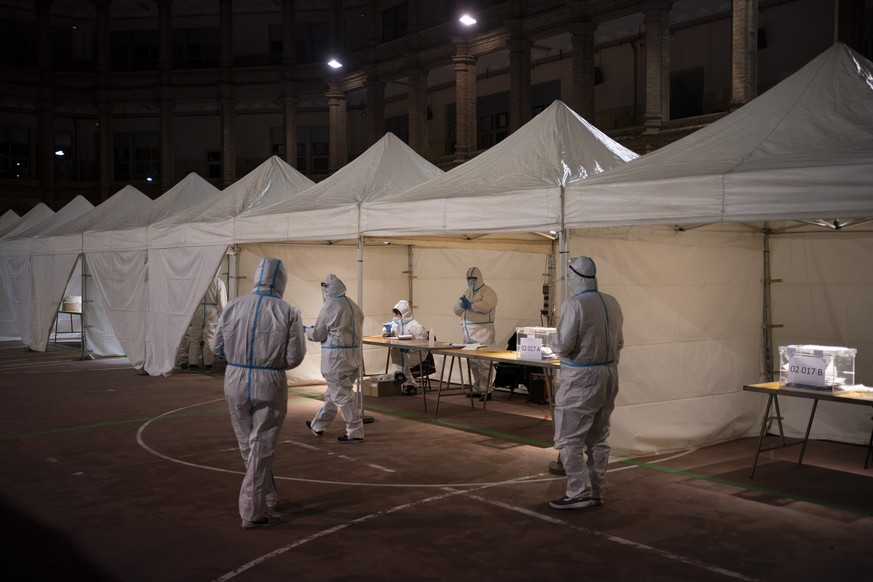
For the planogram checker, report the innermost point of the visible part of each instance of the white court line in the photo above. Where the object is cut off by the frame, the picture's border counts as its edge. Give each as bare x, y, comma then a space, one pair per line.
452, 492
339, 455
616, 539
336, 528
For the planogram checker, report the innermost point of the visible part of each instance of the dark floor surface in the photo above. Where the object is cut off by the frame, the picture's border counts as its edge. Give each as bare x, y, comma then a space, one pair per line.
112, 475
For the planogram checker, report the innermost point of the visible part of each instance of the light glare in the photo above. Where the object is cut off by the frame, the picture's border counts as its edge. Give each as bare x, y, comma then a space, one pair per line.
467, 20
334, 64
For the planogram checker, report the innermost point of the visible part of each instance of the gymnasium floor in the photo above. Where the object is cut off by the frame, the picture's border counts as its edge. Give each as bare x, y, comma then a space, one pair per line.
112, 475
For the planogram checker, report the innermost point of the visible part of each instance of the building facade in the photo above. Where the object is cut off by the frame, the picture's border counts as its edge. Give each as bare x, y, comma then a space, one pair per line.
98, 94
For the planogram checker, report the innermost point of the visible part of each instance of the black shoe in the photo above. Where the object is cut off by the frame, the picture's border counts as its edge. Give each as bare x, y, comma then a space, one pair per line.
315, 432
399, 377
193, 367
409, 390
473, 395
207, 368
346, 439
484, 397
183, 367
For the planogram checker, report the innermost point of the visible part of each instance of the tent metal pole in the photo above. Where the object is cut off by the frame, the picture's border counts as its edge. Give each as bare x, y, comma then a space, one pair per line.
83, 322
768, 324
360, 394
556, 467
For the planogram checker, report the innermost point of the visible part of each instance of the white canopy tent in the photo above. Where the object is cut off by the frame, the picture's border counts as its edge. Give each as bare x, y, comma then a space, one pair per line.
694, 297
34, 216
57, 260
116, 255
185, 252
17, 266
7, 323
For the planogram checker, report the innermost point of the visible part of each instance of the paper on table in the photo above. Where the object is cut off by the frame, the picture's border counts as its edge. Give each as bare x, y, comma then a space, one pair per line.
472, 346
404, 337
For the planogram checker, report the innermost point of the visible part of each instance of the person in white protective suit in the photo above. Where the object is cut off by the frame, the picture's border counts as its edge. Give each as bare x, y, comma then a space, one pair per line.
476, 308
589, 341
339, 330
404, 359
203, 322
260, 335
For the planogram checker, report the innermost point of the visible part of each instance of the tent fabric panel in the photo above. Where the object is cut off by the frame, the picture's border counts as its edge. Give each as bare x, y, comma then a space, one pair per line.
339, 223
692, 307
177, 280
120, 277
823, 298
51, 273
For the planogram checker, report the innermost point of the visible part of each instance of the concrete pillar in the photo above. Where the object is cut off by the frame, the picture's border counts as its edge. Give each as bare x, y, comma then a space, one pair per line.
375, 108
228, 151
289, 25
45, 105
465, 103
582, 96
849, 23
46, 147
657, 22
289, 121
519, 82
336, 102
107, 160
168, 158
225, 25
103, 41
744, 49
418, 136
165, 39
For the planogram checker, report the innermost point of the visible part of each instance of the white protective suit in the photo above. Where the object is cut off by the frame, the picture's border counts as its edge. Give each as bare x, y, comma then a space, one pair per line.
203, 322
260, 336
404, 359
339, 329
589, 341
477, 321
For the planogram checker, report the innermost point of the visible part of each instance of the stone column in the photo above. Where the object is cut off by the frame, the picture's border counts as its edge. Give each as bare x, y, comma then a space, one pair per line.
582, 98
744, 52
104, 106
228, 151
165, 104
465, 103
519, 82
849, 23
657, 21
45, 105
418, 137
336, 101
289, 121
375, 108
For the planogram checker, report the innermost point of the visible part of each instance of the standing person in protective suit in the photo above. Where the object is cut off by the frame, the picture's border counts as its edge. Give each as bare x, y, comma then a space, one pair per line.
589, 341
261, 336
404, 359
338, 328
476, 308
203, 322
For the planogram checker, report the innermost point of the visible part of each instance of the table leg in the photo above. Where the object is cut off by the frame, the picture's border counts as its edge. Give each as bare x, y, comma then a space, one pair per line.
770, 400
440, 387
808, 427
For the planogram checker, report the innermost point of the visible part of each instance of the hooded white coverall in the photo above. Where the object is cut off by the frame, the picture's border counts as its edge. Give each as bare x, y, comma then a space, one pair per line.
203, 322
405, 359
477, 321
589, 341
261, 336
339, 330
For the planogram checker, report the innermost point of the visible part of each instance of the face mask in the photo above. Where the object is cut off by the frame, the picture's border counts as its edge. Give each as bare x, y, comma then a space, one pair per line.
471, 283
397, 320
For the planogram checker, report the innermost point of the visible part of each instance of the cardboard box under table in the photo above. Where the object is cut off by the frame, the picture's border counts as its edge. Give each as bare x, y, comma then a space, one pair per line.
381, 385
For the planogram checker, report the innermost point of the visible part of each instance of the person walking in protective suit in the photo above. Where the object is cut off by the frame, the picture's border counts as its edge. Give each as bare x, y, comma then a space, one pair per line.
203, 322
338, 328
404, 359
476, 308
589, 341
260, 336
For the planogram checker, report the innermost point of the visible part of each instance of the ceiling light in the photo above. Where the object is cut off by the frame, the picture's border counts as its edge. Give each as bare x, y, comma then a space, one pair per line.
334, 64
467, 20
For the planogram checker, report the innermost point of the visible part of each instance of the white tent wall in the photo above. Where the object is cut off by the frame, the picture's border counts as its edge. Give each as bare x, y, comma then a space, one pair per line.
177, 280
824, 298
7, 320
517, 277
692, 304
308, 265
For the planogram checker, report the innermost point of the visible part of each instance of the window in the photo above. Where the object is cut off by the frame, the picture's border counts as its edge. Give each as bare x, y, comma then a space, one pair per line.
213, 165
17, 44
313, 149
543, 94
395, 21
399, 126
195, 48
312, 42
492, 123
137, 156
686, 93
135, 50
17, 153
63, 155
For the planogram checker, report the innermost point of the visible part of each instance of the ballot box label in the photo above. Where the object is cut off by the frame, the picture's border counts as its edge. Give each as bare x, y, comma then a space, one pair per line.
530, 348
807, 371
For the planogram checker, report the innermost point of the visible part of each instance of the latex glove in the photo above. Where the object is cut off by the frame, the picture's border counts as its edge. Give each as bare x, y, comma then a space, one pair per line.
465, 303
